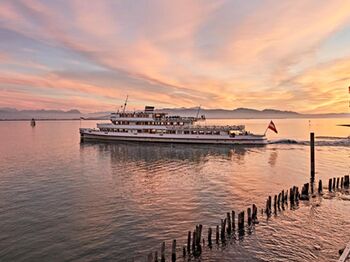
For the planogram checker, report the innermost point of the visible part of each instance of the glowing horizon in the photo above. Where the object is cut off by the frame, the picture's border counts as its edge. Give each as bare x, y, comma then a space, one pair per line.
218, 54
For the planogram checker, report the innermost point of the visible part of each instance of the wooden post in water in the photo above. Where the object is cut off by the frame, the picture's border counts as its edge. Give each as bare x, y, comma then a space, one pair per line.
342, 183
233, 221
241, 222
184, 251
173, 251
291, 196
312, 159
200, 228
255, 214
305, 192
223, 229
162, 252
156, 256
194, 242
209, 237
275, 204
297, 194
229, 223
337, 183
249, 215
279, 201
198, 244
320, 186
333, 184
217, 234
346, 182
286, 197
150, 257
189, 242
330, 185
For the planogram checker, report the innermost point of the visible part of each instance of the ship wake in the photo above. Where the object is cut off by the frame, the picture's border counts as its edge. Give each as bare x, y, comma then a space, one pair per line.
320, 141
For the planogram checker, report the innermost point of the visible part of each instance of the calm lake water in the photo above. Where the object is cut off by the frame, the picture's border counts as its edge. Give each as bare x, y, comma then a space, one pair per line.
62, 200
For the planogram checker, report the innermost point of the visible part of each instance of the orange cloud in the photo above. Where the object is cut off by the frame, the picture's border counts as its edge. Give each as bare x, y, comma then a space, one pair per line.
178, 53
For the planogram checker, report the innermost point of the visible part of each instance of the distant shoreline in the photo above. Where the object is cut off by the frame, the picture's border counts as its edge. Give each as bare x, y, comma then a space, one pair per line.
244, 118
49, 119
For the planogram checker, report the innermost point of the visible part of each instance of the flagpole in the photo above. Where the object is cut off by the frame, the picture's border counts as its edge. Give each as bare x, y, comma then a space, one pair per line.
266, 130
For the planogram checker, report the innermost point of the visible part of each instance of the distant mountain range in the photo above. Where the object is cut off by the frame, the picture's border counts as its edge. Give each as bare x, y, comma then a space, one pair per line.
248, 113
238, 113
14, 114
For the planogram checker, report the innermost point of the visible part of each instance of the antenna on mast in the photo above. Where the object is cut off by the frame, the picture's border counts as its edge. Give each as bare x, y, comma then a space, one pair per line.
125, 103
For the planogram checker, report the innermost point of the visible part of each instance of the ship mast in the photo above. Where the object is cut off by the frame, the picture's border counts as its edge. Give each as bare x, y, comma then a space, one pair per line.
199, 108
125, 103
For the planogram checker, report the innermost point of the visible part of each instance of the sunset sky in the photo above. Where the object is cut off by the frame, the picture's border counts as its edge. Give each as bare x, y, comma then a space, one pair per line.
290, 55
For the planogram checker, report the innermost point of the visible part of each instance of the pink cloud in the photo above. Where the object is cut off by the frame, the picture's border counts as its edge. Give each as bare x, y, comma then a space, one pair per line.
269, 53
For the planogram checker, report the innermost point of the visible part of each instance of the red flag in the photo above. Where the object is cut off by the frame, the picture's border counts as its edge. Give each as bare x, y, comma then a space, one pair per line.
272, 127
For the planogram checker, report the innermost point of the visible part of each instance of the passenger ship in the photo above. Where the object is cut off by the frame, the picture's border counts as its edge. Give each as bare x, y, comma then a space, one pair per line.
151, 126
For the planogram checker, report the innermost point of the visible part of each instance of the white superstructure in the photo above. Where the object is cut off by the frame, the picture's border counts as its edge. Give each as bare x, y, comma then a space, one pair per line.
150, 126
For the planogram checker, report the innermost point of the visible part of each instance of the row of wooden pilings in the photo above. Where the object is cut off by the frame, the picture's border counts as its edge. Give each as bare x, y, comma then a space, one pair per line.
229, 226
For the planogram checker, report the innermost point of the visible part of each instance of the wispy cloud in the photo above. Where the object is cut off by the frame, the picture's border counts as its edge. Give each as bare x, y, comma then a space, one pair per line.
172, 53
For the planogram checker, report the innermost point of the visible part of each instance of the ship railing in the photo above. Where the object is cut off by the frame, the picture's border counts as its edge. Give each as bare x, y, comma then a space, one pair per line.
209, 127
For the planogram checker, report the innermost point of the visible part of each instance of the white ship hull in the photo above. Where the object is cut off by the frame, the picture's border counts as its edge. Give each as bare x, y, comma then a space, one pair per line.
98, 135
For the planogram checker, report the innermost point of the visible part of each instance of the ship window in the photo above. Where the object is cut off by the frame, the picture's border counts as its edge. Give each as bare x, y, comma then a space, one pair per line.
194, 132
186, 132
201, 132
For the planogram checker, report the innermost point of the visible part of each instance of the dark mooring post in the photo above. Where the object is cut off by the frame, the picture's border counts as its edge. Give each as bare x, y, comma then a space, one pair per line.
241, 222
162, 253
233, 221
217, 234
209, 237
342, 183
249, 215
156, 256
291, 196
194, 242
337, 183
333, 184
330, 185
320, 186
286, 197
305, 192
346, 182
223, 229
312, 159
255, 214
173, 251
189, 242
150, 257
200, 228
229, 223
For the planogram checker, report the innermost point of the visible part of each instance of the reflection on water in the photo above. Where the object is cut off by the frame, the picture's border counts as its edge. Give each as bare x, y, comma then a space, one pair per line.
273, 158
62, 200
131, 151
